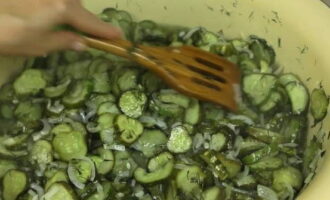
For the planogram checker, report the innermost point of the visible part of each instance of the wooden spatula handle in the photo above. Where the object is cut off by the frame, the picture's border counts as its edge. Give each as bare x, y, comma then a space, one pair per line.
118, 47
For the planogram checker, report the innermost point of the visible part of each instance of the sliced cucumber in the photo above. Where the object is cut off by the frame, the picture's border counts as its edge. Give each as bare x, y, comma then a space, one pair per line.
151, 142
299, 97
265, 135
101, 82
218, 141
108, 107
30, 82
268, 163
130, 129
319, 104
60, 191
274, 99
132, 103
160, 167
179, 141
59, 90
106, 121
193, 112
190, 179
284, 79
258, 87
173, 97
80, 92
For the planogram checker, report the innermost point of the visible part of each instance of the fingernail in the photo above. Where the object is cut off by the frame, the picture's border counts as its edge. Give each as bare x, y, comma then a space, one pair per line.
79, 46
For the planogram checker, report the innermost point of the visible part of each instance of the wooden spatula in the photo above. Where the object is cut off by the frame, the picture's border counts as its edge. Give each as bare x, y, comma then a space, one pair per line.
187, 69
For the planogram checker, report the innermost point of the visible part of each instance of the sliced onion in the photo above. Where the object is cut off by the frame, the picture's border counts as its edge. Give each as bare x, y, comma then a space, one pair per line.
242, 118
236, 189
191, 32
40, 191
266, 193
92, 127
44, 132
33, 194
100, 191
90, 114
116, 147
56, 120
82, 116
73, 178
57, 108
237, 93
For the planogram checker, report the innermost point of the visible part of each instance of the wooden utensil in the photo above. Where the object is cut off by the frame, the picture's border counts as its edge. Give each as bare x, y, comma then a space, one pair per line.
187, 69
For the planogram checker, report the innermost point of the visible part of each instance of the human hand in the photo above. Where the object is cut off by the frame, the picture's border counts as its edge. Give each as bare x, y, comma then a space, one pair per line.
27, 27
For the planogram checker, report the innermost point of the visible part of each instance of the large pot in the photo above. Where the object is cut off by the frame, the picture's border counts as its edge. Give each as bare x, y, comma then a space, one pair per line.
299, 30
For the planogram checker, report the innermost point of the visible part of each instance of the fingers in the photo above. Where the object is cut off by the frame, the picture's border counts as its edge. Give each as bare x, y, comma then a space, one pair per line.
63, 40
88, 23
53, 42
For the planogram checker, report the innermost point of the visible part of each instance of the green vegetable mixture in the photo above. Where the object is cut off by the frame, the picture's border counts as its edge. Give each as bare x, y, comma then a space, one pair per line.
94, 126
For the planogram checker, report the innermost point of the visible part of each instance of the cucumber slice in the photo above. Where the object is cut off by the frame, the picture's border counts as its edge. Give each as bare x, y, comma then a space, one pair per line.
179, 141
106, 121
124, 165
258, 155
173, 97
258, 87
6, 165
80, 92
262, 51
268, 163
30, 82
7, 111
288, 78
160, 167
151, 142
166, 110
193, 112
132, 103
97, 99
112, 13
7, 93
104, 161
13, 184
60, 191
249, 145
288, 176
124, 79
29, 113
130, 129
319, 104
101, 82
265, 135
299, 97
108, 107
77, 70
59, 90
271, 103
218, 141
150, 82
190, 179
213, 193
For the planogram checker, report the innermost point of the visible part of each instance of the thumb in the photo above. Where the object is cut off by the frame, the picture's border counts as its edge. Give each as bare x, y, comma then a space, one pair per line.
61, 40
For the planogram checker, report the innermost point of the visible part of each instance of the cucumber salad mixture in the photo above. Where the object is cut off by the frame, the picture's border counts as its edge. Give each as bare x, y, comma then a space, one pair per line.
94, 126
